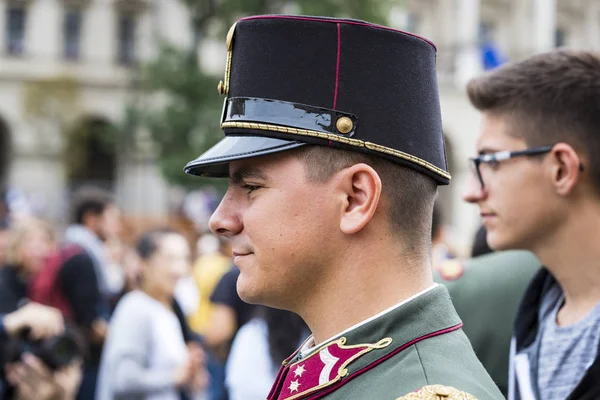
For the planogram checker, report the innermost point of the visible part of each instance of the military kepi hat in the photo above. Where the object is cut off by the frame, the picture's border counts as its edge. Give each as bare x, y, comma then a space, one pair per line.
295, 80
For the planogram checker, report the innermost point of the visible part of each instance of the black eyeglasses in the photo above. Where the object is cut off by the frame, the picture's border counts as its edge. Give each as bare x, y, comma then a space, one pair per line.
494, 158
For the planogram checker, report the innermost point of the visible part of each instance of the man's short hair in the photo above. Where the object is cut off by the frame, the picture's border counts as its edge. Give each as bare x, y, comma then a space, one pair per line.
549, 98
90, 200
409, 193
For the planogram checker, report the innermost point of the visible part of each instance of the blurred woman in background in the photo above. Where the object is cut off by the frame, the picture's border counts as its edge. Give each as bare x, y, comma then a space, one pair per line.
145, 355
30, 244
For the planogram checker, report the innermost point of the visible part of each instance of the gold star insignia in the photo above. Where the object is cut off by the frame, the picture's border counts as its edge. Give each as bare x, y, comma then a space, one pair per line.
299, 371
294, 386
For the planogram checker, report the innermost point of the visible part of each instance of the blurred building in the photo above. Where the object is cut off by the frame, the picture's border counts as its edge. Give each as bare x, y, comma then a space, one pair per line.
67, 73
86, 53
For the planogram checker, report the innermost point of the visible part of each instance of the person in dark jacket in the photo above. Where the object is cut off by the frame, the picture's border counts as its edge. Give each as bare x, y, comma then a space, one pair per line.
96, 218
494, 281
537, 184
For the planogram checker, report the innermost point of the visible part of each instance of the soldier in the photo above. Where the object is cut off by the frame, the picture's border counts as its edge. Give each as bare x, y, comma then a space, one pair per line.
334, 149
486, 292
537, 184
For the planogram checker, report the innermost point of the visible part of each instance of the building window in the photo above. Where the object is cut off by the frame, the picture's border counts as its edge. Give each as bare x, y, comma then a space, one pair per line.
72, 34
126, 37
15, 30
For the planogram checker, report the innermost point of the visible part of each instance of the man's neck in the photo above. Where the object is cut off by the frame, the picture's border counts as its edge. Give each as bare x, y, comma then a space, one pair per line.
360, 291
572, 255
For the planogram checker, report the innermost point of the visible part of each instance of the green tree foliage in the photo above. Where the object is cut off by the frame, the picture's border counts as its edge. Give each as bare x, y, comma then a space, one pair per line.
184, 108
184, 117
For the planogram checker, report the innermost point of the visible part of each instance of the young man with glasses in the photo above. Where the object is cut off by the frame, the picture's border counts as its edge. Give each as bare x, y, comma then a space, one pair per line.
334, 149
537, 184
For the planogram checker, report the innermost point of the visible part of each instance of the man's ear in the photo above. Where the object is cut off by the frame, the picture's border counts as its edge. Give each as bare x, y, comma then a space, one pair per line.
566, 168
361, 187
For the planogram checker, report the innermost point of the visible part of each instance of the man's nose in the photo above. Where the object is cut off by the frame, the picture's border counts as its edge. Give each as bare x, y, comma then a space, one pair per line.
473, 191
226, 220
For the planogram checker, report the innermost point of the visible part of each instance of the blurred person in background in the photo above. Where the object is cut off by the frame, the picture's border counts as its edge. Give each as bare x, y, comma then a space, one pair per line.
486, 291
441, 250
480, 245
132, 272
187, 293
115, 251
213, 261
146, 355
29, 378
260, 346
84, 274
536, 182
4, 234
4, 211
229, 314
96, 221
31, 242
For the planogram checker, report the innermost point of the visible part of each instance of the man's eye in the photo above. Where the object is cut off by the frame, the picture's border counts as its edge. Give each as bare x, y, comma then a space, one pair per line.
251, 188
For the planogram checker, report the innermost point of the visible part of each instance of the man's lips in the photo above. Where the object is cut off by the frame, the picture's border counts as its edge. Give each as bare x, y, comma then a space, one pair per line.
241, 254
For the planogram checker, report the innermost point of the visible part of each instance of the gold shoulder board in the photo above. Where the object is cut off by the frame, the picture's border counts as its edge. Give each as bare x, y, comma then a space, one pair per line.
438, 392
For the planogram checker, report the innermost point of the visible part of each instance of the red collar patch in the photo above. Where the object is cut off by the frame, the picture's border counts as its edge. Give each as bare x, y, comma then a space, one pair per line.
322, 368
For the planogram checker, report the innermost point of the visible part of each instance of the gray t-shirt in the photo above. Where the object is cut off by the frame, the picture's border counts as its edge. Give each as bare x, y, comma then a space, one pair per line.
565, 352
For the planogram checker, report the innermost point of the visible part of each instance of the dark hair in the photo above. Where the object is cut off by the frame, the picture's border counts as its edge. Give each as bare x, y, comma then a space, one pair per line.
410, 194
148, 243
286, 330
548, 98
90, 200
480, 244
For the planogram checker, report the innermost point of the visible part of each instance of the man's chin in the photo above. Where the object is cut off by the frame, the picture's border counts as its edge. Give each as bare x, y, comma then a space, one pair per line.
498, 243
249, 298
255, 295
248, 292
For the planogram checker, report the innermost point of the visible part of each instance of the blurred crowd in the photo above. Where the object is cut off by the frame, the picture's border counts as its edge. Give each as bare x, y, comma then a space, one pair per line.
88, 314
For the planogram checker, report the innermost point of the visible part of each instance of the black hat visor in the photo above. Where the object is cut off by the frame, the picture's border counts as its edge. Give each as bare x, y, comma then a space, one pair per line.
215, 161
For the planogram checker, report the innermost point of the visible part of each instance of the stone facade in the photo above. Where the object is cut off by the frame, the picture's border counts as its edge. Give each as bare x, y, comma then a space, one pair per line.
114, 33
95, 45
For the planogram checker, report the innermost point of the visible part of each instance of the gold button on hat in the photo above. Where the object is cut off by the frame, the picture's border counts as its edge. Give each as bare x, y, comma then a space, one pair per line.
344, 125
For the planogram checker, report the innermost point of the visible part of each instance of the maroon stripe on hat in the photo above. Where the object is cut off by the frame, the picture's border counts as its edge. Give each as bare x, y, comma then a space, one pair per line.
382, 359
349, 22
337, 65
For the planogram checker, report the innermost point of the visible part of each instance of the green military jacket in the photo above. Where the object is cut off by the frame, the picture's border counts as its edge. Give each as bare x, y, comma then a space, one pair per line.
416, 350
486, 292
